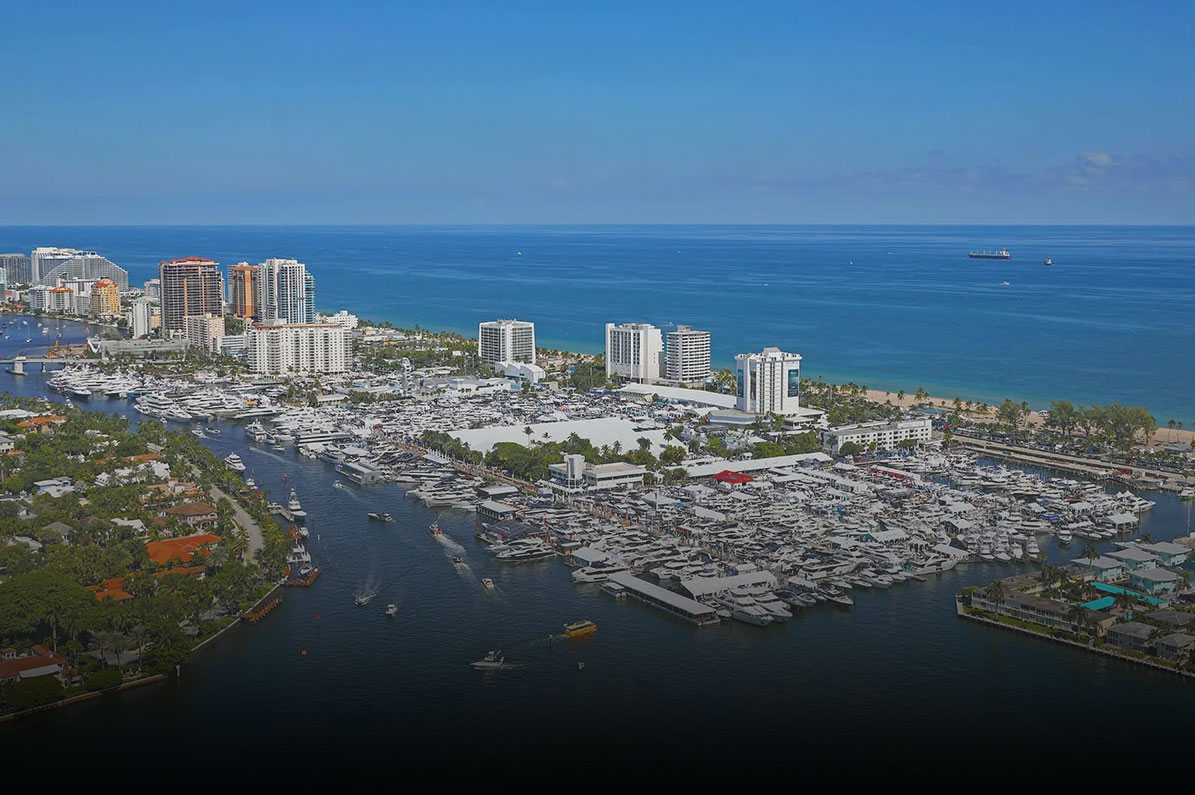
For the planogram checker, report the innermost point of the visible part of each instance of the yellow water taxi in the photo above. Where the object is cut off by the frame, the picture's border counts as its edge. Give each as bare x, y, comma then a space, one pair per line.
580, 629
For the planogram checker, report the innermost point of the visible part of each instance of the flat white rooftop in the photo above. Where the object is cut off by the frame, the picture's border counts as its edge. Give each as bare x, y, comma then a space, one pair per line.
696, 396
755, 464
603, 431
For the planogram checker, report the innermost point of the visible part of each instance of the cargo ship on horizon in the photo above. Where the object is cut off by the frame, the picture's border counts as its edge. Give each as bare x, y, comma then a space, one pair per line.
1001, 254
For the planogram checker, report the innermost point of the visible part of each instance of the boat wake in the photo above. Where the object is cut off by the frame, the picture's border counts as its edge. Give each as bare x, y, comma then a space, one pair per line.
449, 544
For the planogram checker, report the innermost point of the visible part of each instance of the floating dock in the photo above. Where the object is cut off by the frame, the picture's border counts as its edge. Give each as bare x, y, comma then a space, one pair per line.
674, 603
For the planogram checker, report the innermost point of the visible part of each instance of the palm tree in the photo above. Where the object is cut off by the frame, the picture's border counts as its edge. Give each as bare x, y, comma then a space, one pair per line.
995, 592
1170, 425
1089, 550
1124, 601
900, 397
1077, 615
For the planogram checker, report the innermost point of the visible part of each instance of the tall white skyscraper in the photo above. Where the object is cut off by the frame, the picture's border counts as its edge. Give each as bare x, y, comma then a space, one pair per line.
506, 341
688, 355
141, 316
768, 382
287, 291
634, 350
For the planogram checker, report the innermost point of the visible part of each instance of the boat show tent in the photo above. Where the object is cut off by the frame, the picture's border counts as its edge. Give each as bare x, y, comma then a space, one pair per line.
705, 586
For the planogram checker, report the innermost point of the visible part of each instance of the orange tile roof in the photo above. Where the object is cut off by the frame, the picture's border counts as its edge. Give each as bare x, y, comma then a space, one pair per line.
180, 548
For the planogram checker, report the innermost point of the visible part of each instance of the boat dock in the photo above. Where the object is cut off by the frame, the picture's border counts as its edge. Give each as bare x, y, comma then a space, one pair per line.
304, 582
253, 616
680, 606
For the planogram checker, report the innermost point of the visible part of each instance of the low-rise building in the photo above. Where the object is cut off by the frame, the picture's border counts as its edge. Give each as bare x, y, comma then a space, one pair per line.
574, 474
1106, 569
884, 435
1153, 581
1130, 636
1134, 558
1174, 646
194, 514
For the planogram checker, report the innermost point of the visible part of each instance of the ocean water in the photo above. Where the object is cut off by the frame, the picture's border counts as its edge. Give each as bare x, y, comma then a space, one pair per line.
897, 682
887, 306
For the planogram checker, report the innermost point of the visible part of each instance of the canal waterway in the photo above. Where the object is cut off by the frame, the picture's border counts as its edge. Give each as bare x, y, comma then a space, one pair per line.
323, 683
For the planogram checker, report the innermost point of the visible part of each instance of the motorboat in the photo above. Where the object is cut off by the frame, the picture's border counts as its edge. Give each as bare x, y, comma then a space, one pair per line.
381, 517
494, 661
457, 559
250, 483
434, 529
362, 599
234, 462
294, 506
579, 629
391, 609
337, 485
487, 583
213, 431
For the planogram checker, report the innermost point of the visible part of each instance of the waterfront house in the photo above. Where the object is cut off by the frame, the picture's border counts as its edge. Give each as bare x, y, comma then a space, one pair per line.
1169, 554
6, 444
37, 661
194, 514
1106, 569
1175, 646
1167, 618
46, 424
1120, 522
1134, 558
1130, 636
1153, 581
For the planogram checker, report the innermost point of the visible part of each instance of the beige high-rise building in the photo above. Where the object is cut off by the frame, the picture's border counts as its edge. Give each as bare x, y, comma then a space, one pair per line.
191, 286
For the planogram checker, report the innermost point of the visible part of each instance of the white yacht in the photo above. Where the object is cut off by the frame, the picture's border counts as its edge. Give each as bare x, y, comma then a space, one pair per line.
599, 572
744, 608
234, 462
294, 506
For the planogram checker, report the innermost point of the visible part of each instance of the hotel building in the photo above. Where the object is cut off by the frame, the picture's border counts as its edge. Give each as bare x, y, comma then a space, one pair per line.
277, 348
687, 358
506, 341
634, 351
768, 382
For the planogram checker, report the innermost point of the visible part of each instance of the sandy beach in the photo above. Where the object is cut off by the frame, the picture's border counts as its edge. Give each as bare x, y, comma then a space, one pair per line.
1162, 436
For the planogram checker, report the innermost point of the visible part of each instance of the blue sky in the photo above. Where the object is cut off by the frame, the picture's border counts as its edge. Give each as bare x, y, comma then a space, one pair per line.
699, 112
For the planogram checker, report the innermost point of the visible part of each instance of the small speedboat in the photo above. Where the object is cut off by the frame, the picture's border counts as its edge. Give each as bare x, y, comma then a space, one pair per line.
213, 431
391, 609
362, 599
487, 583
491, 662
337, 485
198, 432
457, 559
381, 517
434, 529
250, 483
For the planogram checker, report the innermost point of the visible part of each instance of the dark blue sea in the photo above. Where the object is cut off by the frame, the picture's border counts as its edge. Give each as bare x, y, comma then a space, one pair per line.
899, 684
892, 307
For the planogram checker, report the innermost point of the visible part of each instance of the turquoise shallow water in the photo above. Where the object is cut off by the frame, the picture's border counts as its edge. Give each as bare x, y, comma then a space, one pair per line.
890, 307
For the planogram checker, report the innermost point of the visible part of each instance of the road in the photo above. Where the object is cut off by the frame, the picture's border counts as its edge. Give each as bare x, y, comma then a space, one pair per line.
242, 517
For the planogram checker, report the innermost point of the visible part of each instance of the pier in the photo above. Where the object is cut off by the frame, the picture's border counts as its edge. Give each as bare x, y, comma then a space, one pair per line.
681, 606
253, 616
